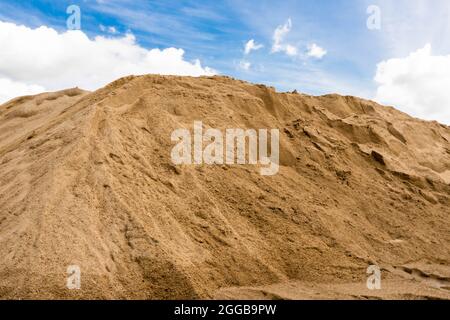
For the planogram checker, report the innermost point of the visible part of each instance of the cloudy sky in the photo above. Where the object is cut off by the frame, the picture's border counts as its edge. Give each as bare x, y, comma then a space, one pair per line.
396, 52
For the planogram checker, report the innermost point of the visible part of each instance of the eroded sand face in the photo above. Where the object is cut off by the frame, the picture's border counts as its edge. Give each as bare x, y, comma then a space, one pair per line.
86, 179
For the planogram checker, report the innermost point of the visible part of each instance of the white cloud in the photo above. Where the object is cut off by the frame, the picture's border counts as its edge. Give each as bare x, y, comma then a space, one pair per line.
291, 50
244, 65
315, 51
278, 39
417, 84
10, 89
112, 30
252, 45
47, 59
279, 44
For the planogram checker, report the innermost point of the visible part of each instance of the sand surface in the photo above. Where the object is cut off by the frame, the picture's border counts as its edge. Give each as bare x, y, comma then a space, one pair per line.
86, 179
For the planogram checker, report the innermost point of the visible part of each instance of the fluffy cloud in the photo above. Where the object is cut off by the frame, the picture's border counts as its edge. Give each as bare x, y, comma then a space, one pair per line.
10, 89
244, 65
279, 44
417, 84
278, 39
34, 59
290, 50
252, 45
315, 51
111, 30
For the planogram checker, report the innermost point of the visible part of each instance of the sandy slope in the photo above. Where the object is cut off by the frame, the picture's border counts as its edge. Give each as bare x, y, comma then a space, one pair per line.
87, 179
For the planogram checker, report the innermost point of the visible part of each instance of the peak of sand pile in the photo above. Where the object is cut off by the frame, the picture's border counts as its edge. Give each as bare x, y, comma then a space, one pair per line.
86, 179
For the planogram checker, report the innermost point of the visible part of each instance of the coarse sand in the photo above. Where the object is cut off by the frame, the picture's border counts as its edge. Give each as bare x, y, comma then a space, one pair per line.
86, 179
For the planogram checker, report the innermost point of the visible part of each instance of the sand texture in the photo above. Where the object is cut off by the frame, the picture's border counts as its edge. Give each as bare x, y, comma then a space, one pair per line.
86, 179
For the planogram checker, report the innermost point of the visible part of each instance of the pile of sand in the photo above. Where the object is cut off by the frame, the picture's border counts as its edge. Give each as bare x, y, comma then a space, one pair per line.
86, 179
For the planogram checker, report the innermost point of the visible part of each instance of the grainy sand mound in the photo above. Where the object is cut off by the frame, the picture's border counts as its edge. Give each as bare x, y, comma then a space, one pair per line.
86, 179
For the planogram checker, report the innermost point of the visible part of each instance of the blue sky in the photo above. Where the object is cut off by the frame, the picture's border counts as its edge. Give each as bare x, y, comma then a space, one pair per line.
215, 32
